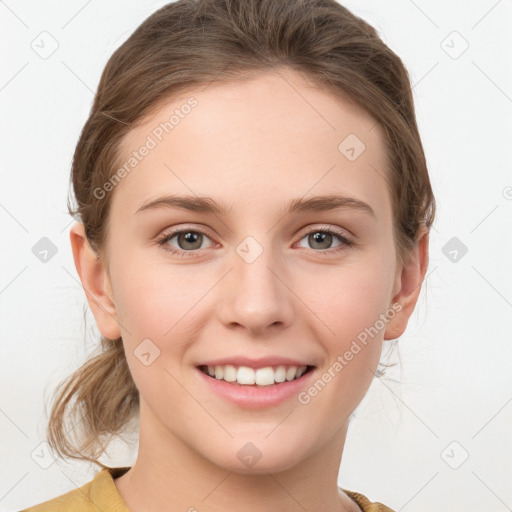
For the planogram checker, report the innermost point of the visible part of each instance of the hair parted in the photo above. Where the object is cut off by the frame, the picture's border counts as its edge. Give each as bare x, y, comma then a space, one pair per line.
192, 42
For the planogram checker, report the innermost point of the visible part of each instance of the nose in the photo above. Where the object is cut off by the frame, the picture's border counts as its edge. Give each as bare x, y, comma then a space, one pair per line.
255, 295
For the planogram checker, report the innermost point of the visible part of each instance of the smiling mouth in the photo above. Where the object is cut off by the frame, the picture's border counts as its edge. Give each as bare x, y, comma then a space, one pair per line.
260, 378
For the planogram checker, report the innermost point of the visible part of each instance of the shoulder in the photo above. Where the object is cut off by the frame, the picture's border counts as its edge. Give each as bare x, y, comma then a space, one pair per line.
77, 499
97, 494
365, 504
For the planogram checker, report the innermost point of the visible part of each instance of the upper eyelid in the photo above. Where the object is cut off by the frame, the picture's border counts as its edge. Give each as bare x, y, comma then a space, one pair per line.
327, 227
174, 232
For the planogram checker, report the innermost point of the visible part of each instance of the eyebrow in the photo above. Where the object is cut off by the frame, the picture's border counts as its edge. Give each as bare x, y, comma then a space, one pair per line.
299, 205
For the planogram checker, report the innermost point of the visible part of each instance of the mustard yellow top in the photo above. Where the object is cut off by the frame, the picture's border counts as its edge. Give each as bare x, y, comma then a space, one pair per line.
101, 494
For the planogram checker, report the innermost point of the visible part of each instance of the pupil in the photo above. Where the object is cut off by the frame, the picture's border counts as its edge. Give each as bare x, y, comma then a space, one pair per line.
319, 237
190, 238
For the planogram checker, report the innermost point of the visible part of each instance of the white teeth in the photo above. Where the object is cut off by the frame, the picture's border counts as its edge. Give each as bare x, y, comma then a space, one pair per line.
280, 374
245, 375
300, 371
229, 373
291, 372
264, 376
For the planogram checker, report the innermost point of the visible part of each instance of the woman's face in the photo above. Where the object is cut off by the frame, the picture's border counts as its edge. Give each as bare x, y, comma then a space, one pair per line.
251, 279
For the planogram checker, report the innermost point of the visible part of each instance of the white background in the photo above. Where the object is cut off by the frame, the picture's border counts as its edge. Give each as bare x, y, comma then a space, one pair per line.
456, 382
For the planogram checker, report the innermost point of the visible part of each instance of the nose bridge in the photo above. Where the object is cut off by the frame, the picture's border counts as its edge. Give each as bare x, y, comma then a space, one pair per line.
257, 297
253, 262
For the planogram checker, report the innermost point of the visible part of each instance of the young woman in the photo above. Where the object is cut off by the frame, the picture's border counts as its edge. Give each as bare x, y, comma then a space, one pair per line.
253, 208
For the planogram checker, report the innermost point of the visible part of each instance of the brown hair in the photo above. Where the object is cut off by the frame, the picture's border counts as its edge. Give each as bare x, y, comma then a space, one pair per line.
193, 42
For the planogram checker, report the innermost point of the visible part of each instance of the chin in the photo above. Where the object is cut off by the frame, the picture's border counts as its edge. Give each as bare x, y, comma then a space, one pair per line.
258, 456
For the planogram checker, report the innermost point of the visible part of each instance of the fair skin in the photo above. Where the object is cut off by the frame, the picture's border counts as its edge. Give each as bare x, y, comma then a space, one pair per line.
254, 146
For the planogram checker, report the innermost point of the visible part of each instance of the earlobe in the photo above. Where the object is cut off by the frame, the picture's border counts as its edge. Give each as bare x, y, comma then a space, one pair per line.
95, 282
409, 281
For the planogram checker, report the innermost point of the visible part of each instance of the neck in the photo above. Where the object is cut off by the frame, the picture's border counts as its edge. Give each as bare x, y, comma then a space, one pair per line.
171, 475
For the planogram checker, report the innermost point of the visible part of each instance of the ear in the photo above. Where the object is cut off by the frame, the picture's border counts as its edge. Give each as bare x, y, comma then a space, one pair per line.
95, 282
407, 285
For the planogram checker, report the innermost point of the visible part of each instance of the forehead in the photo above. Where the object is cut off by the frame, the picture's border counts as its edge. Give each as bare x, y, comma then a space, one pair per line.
262, 139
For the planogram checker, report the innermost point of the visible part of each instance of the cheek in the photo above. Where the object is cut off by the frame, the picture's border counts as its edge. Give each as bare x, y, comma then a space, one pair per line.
152, 295
161, 303
347, 298
349, 304
349, 327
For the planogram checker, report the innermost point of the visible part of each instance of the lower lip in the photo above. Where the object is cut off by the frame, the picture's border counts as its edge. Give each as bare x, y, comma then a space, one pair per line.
254, 397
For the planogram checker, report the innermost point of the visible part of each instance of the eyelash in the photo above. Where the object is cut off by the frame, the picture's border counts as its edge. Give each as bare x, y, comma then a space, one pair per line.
162, 241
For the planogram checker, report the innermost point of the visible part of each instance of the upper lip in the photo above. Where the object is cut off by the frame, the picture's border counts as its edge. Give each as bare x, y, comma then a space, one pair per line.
261, 362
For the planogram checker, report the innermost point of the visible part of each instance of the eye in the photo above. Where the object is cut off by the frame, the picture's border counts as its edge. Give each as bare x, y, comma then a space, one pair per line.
188, 240
322, 238
191, 240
